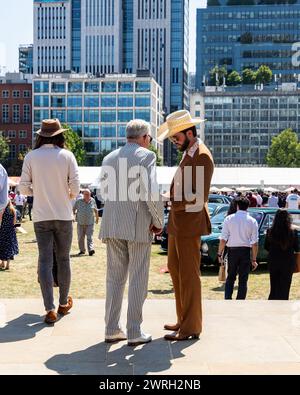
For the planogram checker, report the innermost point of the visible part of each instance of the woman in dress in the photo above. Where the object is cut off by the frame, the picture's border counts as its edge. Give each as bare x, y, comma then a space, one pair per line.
8, 239
282, 243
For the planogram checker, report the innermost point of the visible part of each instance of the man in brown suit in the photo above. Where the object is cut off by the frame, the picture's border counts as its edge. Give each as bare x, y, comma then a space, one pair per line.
188, 221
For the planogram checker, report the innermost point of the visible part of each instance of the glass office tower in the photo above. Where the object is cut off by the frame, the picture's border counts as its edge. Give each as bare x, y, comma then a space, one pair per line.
247, 34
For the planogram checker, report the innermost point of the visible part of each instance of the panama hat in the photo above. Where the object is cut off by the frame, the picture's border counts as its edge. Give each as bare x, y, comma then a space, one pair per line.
50, 128
177, 122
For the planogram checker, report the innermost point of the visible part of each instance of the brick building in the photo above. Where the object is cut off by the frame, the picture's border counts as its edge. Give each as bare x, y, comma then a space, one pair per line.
16, 112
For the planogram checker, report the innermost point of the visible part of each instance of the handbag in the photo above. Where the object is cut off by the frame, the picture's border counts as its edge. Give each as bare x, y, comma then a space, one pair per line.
222, 274
297, 265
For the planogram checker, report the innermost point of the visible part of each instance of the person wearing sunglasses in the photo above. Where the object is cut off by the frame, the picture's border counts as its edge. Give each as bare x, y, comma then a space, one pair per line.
188, 221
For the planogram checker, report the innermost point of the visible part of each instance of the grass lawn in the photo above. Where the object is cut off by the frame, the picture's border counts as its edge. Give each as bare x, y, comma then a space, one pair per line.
88, 274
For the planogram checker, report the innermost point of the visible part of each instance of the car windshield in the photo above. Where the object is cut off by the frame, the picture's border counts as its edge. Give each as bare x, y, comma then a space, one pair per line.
256, 215
219, 218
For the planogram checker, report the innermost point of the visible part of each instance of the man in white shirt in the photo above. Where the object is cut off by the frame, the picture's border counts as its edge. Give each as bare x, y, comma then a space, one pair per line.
19, 202
50, 173
293, 200
258, 199
3, 190
273, 201
240, 235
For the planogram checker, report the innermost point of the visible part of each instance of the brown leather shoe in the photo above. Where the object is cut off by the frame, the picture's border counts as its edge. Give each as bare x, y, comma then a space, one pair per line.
174, 328
63, 310
51, 317
179, 337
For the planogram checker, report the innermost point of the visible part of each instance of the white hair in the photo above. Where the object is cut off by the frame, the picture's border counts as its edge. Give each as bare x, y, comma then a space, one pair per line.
137, 128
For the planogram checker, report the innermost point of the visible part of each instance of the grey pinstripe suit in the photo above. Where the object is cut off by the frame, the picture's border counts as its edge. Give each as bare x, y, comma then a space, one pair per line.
125, 230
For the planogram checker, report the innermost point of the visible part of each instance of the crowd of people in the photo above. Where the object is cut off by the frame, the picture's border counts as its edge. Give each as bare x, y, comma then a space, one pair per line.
50, 188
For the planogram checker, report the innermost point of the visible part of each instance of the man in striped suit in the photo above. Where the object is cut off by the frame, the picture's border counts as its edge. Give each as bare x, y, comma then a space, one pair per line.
132, 213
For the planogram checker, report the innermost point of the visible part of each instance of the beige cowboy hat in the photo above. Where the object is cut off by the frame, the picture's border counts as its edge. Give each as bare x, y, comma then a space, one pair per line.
50, 128
177, 122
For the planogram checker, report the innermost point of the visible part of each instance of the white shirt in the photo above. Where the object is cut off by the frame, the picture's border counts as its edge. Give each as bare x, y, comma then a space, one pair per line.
240, 230
3, 188
51, 175
293, 201
193, 149
19, 200
259, 199
273, 201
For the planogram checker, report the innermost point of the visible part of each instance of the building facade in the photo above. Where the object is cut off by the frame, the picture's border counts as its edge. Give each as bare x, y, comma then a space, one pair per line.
26, 59
240, 125
16, 113
248, 34
98, 109
117, 36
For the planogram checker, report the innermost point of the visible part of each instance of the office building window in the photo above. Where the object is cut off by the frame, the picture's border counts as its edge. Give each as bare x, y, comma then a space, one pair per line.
108, 116
74, 101
142, 101
91, 146
26, 94
26, 113
122, 131
58, 101
108, 131
74, 116
16, 94
91, 101
142, 86
108, 101
5, 113
125, 115
91, 130
125, 101
76, 127
22, 148
41, 101
143, 114
59, 114
91, 116
39, 115
11, 134
109, 87
16, 113
75, 87
125, 86
58, 87
92, 87
108, 145
41, 86
12, 151
22, 134
5, 94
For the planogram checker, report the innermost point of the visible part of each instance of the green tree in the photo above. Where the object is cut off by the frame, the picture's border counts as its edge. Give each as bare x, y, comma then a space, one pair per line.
100, 157
248, 76
211, 3
75, 145
284, 150
264, 75
158, 157
4, 148
179, 157
234, 78
219, 71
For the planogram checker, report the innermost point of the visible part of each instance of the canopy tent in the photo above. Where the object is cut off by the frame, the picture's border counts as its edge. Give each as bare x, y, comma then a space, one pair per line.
225, 189
11, 183
270, 189
214, 189
241, 178
290, 189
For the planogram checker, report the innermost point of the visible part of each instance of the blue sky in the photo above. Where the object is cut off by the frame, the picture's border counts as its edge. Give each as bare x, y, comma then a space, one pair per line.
16, 28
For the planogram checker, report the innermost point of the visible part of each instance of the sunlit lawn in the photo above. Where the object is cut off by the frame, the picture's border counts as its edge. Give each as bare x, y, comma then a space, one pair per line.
88, 274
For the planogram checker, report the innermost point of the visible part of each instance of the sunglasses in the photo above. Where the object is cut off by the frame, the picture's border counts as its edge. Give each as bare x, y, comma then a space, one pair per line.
150, 137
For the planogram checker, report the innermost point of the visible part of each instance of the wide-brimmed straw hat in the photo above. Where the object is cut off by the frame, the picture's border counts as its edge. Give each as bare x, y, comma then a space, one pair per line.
50, 128
177, 122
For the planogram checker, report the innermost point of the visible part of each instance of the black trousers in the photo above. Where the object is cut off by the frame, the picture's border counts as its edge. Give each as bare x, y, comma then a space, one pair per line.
280, 281
239, 262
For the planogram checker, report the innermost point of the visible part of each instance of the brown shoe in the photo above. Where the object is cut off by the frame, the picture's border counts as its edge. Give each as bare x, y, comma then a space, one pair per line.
179, 337
51, 317
63, 310
173, 328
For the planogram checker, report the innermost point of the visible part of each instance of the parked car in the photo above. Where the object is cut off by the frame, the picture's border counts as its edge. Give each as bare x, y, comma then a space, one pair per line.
215, 198
217, 208
264, 217
217, 214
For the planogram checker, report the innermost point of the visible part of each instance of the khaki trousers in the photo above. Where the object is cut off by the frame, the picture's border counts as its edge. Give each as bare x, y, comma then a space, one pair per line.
184, 267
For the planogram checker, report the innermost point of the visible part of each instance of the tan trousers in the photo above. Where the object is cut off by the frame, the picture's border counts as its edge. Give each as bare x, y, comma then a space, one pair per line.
184, 267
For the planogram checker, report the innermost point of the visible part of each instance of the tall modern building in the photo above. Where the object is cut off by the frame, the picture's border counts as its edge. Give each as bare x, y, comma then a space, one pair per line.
117, 36
26, 59
240, 125
246, 34
98, 109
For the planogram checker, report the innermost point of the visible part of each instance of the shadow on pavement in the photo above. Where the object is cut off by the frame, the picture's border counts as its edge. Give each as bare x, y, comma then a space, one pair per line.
22, 328
104, 359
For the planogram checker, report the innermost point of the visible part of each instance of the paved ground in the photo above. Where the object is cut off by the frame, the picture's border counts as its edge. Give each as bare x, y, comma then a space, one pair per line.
239, 337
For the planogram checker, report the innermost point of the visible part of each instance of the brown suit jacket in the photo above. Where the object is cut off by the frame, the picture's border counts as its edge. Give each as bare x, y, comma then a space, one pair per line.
192, 224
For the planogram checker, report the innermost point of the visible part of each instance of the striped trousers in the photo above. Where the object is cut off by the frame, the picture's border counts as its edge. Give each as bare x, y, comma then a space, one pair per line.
126, 258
